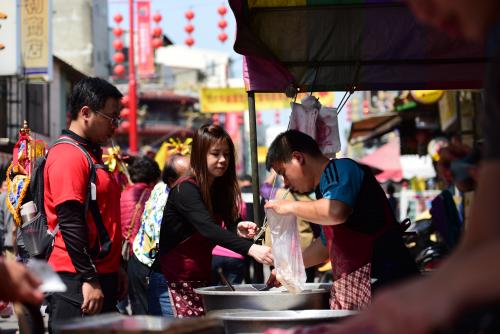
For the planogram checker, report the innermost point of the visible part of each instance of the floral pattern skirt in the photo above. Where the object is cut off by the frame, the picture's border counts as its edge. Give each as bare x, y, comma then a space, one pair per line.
185, 302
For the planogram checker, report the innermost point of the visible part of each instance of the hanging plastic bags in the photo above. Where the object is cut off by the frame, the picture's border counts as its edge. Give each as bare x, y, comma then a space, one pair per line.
327, 131
290, 271
317, 121
303, 117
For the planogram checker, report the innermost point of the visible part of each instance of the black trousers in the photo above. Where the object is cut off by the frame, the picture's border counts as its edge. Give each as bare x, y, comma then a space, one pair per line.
138, 274
67, 305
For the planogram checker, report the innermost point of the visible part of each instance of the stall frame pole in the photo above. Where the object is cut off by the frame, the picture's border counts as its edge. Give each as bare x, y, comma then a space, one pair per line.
253, 157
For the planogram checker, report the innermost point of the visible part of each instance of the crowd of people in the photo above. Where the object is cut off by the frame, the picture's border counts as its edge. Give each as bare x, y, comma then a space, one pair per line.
155, 245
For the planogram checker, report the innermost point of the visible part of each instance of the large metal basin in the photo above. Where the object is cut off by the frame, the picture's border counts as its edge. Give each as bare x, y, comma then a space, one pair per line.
114, 323
247, 297
258, 321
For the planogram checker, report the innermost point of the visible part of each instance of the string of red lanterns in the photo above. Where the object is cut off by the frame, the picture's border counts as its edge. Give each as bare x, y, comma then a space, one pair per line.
189, 28
222, 10
157, 31
118, 56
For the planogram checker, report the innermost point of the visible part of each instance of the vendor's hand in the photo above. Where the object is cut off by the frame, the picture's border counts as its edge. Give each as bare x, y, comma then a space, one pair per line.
262, 254
18, 284
93, 297
281, 206
247, 229
415, 308
272, 280
122, 284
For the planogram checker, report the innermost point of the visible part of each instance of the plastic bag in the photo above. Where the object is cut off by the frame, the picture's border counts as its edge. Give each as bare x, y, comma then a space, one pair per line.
327, 131
290, 271
317, 121
303, 117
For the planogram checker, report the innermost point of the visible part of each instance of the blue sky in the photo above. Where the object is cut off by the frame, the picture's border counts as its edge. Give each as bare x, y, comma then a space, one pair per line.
173, 22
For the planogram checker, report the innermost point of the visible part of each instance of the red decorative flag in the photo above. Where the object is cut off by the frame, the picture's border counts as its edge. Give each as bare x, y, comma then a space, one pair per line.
145, 66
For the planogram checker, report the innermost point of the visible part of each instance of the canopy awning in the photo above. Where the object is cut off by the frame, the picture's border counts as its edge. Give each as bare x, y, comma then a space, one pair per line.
387, 159
372, 127
331, 45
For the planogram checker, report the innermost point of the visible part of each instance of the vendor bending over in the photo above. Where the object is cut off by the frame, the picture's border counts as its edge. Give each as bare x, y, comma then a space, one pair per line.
362, 235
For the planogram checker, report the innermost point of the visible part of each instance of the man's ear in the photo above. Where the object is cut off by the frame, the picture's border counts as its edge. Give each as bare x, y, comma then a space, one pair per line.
85, 112
299, 156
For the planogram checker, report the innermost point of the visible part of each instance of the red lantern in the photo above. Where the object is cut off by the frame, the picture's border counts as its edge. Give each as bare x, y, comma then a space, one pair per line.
125, 125
119, 70
277, 117
157, 42
118, 44
189, 28
118, 57
118, 18
222, 24
222, 37
157, 17
157, 32
117, 31
222, 10
125, 100
125, 112
189, 41
189, 14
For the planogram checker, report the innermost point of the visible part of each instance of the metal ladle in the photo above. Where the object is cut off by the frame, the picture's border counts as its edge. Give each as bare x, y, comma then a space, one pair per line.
224, 279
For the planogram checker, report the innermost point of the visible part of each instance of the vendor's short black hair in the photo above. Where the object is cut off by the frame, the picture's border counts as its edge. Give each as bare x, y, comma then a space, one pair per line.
91, 92
144, 169
288, 142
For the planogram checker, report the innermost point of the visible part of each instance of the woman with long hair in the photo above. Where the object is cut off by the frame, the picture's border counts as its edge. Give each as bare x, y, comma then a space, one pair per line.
197, 208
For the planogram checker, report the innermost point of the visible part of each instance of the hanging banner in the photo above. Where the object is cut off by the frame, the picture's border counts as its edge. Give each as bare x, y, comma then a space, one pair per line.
10, 55
145, 62
36, 39
221, 100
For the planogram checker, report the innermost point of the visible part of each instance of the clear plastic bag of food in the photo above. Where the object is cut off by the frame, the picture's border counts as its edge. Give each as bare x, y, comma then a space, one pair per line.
290, 271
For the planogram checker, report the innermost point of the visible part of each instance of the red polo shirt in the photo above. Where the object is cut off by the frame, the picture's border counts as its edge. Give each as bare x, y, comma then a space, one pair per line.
66, 178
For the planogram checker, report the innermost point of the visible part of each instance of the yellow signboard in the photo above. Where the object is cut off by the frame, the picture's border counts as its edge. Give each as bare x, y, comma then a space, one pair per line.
222, 100
35, 38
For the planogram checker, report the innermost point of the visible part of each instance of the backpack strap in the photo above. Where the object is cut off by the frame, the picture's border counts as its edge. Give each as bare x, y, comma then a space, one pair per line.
103, 246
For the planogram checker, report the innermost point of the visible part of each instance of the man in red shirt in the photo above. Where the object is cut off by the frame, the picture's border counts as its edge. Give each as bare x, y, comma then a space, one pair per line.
87, 248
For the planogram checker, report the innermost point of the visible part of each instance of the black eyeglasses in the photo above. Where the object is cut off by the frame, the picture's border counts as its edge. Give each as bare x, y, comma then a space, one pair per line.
115, 121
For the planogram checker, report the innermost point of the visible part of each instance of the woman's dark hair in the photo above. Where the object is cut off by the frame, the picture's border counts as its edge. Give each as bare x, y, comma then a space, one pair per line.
290, 141
144, 169
93, 93
224, 197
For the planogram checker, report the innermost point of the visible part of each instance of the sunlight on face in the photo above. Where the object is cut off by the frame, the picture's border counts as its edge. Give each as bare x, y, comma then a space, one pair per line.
218, 159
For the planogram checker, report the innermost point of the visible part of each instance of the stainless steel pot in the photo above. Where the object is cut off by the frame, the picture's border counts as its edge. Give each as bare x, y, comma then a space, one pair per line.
248, 297
258, 321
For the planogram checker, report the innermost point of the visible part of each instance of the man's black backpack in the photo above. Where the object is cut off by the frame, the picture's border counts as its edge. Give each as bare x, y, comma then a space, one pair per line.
38, 239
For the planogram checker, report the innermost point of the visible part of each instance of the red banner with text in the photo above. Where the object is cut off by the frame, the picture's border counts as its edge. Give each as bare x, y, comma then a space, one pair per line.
145, 55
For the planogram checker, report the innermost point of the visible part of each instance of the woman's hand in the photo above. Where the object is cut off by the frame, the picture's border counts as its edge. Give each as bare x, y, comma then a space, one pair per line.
262, 254
247, 229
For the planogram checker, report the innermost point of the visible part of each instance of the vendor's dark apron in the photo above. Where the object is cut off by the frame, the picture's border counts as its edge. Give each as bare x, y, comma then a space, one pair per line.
351, 246
187, 267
